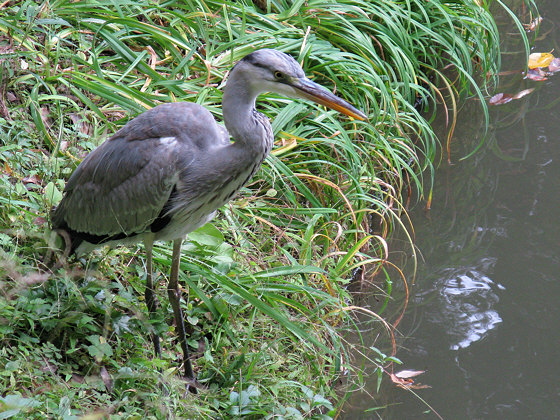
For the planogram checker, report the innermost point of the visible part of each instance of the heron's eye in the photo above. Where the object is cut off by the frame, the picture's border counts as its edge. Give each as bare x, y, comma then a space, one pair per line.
279, 75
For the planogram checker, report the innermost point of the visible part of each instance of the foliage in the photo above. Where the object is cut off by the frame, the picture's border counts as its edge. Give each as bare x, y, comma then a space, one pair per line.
266, 299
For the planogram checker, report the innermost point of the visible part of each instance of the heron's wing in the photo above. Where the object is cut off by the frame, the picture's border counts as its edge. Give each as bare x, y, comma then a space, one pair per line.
123, 185
120, 188
191, 123
223, 134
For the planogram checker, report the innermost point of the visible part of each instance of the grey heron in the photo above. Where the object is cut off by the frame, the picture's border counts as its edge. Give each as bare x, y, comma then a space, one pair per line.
167, 171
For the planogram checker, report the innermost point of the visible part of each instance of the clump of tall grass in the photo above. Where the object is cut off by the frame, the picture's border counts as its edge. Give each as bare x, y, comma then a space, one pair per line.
315, 217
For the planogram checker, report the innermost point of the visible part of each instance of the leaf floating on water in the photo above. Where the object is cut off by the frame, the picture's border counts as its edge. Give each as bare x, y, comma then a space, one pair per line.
500, 99
400, 381
537, 60
532, 27
523, 93
509, 72
504, 98
409, 373
554, 65
403, 379
538, 75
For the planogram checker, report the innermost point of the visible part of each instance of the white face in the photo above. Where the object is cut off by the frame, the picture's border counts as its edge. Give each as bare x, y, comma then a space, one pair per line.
273, 71
277, 86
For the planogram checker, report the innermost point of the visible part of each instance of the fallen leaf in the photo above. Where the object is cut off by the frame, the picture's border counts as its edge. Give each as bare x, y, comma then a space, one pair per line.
409, 373
523, 93
532, 27
538, 75
500, 99
504, 98
403, 379
33, 179
44, 112
7, 170
540, 60
416, 386
286, 145
554, 65
400, 381
81, 123
107, 380
509, 72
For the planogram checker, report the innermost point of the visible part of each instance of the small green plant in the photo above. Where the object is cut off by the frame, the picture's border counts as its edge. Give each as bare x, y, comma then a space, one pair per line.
11, 405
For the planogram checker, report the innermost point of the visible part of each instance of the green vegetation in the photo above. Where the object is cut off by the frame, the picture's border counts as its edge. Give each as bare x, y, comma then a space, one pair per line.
268, 282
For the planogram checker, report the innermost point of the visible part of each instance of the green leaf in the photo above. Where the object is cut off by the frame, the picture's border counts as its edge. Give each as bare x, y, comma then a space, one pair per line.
11, 405
207, 235
52, 194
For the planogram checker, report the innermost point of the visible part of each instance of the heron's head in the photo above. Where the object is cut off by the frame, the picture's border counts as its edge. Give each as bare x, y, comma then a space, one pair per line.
270, 70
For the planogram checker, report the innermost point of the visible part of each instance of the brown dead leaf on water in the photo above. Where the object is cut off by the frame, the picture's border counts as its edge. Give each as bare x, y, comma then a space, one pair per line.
403, 379
541, 66
523, 93
509, 72
532, 27
554, 65
537, 75
405, 374
504, 98
500, 99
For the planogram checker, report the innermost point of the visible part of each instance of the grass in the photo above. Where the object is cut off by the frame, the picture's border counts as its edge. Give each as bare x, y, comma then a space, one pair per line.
268, 282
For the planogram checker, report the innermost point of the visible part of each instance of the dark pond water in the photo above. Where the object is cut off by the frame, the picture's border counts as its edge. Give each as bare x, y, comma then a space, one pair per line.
484, 313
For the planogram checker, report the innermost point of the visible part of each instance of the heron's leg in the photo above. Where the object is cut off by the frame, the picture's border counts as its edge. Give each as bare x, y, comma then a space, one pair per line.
174, 299
150, 296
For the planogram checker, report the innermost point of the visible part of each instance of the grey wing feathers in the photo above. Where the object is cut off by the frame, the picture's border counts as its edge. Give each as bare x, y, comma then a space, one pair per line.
119, 188
123, 185
192, 122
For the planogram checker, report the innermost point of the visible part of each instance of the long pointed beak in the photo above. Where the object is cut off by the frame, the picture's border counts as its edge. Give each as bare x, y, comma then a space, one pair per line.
317, 93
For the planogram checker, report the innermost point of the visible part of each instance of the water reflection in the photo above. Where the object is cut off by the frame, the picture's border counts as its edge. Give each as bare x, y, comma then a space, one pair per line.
483, 319
466, 311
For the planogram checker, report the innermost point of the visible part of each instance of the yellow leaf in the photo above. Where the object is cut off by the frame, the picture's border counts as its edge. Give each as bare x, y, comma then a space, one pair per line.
540, 60
287, 143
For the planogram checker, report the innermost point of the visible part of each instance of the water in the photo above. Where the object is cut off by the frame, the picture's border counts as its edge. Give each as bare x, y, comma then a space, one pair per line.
484, 314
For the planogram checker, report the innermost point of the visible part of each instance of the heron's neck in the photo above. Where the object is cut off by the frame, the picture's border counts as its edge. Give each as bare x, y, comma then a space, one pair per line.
250, 130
